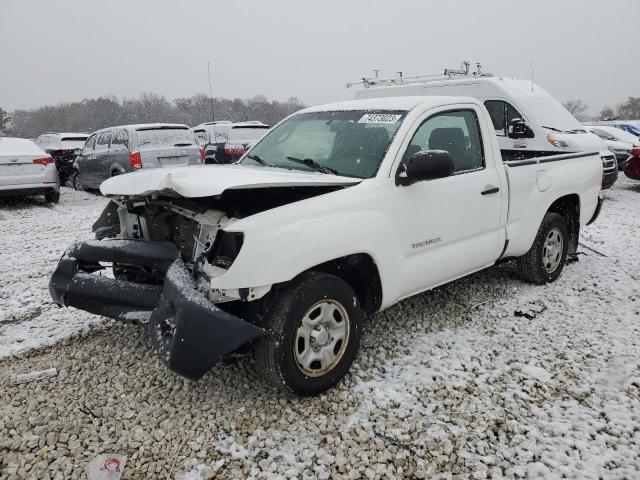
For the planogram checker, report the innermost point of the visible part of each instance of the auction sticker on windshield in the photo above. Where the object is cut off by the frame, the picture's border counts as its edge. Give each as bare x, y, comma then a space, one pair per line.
379, 118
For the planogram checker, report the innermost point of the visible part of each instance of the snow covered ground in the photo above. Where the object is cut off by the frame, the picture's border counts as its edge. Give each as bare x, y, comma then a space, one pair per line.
448, 383
33, 236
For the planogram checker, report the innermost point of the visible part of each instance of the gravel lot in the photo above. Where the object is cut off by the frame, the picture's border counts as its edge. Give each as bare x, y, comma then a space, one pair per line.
448, 384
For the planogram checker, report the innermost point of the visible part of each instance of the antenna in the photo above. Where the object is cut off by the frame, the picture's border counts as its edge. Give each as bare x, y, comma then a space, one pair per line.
213, 117
532, 75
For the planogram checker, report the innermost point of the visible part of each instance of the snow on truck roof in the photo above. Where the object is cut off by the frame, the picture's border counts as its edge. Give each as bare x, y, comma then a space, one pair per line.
390, 103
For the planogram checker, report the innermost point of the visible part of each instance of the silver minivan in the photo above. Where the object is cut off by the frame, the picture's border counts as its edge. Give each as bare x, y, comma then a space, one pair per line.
26, 169
127, 148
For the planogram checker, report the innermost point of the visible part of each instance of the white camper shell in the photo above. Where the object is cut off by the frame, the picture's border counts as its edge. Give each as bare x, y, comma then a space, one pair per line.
549, 129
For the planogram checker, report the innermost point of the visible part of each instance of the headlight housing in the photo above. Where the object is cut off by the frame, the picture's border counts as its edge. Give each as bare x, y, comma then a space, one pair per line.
556, 142
225, 249
620, 150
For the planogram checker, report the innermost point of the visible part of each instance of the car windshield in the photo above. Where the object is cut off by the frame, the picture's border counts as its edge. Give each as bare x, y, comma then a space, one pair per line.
165, 137
350, 143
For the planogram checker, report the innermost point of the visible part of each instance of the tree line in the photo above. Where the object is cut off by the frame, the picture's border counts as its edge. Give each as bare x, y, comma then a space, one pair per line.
628, 110
92, 114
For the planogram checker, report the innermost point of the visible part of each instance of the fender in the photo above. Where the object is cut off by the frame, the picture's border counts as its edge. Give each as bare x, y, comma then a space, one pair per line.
281, 243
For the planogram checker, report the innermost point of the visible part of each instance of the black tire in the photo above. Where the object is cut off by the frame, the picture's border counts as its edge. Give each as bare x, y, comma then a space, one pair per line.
77, 181
52, 196
533, 265
63, 179
275, 356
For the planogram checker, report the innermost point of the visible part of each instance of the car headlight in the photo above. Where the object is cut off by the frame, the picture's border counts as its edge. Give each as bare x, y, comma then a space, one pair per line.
620, 150
556, 142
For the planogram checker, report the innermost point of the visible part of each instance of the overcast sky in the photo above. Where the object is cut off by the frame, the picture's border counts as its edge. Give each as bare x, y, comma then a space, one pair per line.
53, 51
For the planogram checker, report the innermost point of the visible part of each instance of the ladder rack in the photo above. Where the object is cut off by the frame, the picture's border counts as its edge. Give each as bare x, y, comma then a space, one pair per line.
399, 79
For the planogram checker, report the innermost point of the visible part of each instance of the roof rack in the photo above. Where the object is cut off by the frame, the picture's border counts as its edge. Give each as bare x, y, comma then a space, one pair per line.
464, 71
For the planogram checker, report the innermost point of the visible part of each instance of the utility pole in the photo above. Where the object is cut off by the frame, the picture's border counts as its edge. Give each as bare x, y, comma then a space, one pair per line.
213, 117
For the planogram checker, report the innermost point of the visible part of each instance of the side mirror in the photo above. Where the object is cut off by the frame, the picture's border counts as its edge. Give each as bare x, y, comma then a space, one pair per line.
424, 165
77, 152
519, 129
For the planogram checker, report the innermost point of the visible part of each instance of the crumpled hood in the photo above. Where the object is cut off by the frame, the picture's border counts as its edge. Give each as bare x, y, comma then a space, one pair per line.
209, 180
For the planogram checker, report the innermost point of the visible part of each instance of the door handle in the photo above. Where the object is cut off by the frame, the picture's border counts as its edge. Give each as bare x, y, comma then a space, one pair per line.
489, 189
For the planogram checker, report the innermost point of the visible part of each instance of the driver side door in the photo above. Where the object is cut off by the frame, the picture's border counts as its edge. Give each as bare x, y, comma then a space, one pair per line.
451, 226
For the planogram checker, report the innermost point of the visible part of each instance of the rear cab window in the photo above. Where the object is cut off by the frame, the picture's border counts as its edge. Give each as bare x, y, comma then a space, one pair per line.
165, 137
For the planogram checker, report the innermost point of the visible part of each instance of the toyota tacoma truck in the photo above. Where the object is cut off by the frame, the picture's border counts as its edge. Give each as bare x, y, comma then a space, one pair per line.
339, 212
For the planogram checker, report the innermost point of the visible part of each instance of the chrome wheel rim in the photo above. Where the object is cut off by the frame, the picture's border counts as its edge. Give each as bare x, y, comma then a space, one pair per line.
552, 250
321, 338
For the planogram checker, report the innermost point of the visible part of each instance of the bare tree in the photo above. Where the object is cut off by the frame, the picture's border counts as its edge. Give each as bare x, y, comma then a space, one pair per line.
607, 113
577, 108
630, 110
94, 113
5, 119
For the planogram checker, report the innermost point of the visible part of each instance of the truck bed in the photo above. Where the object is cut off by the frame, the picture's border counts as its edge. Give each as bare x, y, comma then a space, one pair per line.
535, 183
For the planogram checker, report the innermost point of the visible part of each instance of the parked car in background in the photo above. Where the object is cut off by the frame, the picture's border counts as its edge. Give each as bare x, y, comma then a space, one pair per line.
226, 142
512, 103
127, 148
632, 168
629, 126
26, 169
621, 143
61, 146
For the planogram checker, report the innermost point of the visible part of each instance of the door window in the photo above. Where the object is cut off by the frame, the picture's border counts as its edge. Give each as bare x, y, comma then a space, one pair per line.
102, 142
89, 145
457, 132
501, 114
120, 140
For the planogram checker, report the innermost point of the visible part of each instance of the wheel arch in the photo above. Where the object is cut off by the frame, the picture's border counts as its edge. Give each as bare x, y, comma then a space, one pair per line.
568, 207
361, 272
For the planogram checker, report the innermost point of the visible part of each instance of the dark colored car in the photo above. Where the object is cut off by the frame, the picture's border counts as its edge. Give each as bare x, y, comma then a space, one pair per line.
226, 142
127, 148
62, 147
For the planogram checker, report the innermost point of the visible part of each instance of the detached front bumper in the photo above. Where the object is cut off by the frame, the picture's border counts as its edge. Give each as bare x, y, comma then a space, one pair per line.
188, 332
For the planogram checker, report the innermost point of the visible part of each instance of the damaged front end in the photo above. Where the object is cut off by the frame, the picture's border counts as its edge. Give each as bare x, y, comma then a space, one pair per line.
146, 275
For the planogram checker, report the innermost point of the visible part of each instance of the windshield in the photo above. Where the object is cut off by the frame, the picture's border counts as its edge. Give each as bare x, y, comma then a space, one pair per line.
351, 143
165, 137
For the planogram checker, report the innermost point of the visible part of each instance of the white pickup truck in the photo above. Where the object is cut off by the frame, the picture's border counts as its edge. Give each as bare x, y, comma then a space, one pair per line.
340, 211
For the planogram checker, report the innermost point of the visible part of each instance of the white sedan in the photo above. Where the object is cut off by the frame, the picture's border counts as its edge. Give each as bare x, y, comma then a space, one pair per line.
623, 144
25, 169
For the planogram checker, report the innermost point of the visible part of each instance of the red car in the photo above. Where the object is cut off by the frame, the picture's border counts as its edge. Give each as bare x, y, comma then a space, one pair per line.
632, 168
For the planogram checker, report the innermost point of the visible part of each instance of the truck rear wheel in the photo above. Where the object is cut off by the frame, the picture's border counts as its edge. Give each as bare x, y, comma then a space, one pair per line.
544, 262
314, 329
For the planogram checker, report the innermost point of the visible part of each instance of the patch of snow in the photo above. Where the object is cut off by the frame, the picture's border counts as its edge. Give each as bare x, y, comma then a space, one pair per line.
34, 236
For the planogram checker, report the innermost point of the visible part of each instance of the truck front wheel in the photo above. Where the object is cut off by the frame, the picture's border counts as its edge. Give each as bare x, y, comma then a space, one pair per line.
314, 329
545, 260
